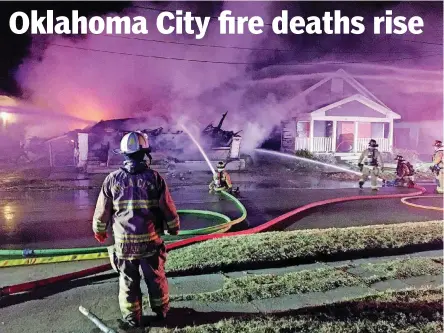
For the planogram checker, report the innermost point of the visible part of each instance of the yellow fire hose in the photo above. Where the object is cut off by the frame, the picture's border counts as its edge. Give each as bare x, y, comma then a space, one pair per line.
220, 228
52, 260
406, 201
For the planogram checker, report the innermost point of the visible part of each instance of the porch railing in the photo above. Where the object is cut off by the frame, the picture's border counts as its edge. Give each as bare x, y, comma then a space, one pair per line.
320, 144
302, 143
384, 144
324, 144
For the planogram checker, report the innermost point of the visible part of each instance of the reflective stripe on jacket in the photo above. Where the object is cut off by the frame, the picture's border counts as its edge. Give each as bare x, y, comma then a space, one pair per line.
368, 157
438, 158
139, 207
224, 179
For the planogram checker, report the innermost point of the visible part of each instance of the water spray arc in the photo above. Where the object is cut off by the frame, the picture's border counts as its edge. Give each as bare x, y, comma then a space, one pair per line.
200, 149
276, 153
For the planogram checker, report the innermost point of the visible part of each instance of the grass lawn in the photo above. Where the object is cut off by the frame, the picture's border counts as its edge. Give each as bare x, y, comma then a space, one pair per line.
253, 287
301, 246
418, 311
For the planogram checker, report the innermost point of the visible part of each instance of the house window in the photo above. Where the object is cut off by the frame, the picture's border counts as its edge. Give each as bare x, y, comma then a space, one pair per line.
364, 130
302, 129
378, 130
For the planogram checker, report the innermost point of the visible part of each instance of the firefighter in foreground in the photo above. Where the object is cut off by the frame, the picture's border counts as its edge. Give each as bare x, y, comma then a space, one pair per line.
437, 166
221, 180
370, 163
136, 201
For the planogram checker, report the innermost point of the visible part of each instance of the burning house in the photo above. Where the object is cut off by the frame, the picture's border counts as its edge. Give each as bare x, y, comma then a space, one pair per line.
96, 143
217, 136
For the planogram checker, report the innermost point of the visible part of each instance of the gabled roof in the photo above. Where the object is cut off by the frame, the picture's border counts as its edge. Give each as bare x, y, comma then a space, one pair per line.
361, 99
347, 78
340, 73
359, 87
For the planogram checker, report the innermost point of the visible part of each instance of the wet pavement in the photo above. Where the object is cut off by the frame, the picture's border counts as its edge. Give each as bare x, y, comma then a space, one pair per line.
267, 204
62, 219
366, 212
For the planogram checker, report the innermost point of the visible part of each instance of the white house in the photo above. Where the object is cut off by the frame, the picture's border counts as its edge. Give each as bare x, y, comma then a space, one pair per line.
337, 115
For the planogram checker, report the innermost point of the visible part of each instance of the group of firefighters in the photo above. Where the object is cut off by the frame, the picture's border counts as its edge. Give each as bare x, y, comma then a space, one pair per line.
371, 164
136, 203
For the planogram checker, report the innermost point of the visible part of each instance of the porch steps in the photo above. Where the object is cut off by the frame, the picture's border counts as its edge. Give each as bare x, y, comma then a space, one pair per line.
348, 156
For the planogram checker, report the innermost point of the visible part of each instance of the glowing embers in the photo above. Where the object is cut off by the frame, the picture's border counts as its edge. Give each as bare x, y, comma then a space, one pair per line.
6, 117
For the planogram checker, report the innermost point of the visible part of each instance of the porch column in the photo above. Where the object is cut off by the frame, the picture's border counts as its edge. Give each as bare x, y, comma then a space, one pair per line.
391, 135
51, 155
355, 138
333, 136
311, 134
83, 149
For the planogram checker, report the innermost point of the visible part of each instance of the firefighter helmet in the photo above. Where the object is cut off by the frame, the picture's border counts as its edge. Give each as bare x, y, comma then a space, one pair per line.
372, 143
133, 142
220, 165
438, 144
399, 158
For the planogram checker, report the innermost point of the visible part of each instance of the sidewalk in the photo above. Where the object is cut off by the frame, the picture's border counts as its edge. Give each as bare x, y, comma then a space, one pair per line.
55, 308
213, 282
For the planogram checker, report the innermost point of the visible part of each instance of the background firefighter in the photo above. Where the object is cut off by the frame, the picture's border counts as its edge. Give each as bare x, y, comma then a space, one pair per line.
137, 200
404, 172
372, 165
22, 153
437, 166
221, 180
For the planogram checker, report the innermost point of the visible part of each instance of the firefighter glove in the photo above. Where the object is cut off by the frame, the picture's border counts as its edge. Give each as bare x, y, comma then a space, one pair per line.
101, 237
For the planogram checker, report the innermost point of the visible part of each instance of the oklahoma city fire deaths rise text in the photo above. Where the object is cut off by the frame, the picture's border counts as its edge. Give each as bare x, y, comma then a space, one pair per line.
181, 22
167, 23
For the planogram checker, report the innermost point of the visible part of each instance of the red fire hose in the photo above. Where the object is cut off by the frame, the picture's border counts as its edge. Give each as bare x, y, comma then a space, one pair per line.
27, 286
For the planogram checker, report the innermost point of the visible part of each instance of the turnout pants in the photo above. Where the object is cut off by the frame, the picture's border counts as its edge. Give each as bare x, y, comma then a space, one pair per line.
151, 269
373, 172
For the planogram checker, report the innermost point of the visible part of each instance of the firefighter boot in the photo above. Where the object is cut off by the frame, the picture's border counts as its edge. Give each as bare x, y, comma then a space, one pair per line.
361, 184
160, 316
126, 327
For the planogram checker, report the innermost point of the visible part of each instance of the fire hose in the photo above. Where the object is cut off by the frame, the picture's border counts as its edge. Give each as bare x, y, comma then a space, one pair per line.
89, 250
270, 225
77, 254
407, 199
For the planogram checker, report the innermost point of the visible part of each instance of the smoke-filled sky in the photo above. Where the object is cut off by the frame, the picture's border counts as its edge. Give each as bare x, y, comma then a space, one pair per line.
405, 72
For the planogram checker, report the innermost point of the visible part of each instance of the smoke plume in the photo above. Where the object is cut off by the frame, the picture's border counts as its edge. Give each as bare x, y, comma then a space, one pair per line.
63, 76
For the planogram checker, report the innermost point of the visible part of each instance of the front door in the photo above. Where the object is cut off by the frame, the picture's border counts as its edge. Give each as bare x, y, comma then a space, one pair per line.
345, 136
